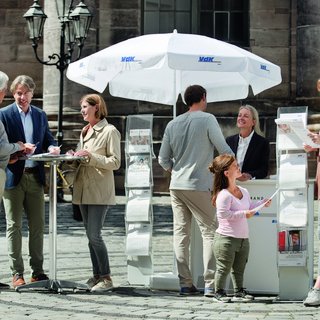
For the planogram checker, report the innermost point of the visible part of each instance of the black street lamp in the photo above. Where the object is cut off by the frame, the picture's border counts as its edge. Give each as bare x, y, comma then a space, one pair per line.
75, 23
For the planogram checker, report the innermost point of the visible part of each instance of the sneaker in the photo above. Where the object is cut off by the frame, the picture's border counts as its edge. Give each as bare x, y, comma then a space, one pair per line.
92, 282
242, 296
221, 296
208, 292
313, 298
18, 280
188, 291
39, 277
102, 285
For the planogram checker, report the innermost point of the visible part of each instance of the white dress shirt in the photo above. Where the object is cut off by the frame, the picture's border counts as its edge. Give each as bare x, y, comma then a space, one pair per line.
242, 148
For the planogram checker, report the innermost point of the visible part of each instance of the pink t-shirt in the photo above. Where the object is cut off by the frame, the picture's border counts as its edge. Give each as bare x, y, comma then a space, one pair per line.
231, 213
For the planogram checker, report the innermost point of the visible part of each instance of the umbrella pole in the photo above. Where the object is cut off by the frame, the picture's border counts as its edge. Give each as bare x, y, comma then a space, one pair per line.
174, 92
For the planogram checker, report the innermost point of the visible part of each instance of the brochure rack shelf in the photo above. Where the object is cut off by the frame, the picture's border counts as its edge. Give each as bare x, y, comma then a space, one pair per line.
295, 205
139, 186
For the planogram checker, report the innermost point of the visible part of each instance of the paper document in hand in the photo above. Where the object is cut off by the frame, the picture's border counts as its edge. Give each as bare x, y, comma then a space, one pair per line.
293, 132
256, 209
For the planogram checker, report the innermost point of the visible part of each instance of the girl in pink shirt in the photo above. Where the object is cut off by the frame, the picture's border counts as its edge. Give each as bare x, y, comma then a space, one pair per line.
231, 243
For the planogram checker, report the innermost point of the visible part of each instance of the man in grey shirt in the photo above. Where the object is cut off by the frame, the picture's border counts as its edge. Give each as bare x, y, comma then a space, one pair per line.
187, 150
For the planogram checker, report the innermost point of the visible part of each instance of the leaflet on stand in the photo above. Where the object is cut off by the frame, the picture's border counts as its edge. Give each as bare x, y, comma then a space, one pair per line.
138, 239
139, 141
293, 171
138, 173
138, 205
293, 208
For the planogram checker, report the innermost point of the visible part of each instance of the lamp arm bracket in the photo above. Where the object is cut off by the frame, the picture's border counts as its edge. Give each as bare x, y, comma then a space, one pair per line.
55, 58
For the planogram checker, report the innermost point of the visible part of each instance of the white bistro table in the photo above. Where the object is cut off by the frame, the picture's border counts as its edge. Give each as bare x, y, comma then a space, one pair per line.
53, 284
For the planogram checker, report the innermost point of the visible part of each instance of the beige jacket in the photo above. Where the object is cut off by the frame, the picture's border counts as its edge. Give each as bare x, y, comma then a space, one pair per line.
94, 180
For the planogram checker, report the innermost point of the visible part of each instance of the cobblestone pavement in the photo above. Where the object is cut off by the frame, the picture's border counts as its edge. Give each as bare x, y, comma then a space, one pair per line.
125, 302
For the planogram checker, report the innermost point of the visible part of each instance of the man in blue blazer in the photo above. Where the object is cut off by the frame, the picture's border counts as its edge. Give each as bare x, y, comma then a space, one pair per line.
251, 149
25, 179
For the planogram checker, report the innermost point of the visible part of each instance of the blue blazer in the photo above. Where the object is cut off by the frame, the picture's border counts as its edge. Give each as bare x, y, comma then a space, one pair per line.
256, 159
12, 122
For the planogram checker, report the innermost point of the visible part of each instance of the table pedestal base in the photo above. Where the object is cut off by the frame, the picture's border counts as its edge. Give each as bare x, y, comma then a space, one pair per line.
57, 286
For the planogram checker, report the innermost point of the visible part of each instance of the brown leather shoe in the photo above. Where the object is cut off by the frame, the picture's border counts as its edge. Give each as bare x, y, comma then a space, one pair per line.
18, 280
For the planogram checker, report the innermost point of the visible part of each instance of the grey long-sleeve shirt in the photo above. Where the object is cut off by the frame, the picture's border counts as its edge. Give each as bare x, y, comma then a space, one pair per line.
6, 148
188, 149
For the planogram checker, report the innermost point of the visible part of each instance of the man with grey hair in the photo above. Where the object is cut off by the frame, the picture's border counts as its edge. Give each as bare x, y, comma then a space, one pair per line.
4, 79
6, 148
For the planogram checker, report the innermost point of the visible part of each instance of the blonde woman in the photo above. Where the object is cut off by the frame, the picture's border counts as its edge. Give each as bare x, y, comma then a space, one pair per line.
250, 147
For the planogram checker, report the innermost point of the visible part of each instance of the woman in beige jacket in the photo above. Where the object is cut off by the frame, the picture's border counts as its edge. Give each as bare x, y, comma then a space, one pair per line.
93, 187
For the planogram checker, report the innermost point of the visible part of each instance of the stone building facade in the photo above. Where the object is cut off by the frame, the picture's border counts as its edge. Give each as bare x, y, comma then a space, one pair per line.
286, 32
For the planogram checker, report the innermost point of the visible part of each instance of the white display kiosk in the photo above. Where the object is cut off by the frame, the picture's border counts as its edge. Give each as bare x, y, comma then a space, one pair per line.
139, 185
295, 205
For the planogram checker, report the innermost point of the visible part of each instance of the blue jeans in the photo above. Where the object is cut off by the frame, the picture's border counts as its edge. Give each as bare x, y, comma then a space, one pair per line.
93, 220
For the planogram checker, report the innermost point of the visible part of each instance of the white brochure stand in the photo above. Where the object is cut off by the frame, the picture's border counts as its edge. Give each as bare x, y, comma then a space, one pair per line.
295, 203
139, 186
53, 284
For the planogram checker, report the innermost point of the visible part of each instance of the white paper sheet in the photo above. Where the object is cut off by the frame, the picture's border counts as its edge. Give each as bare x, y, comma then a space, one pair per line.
295, 126
293, 208
292, 171
138, 240
256, 209
138, 210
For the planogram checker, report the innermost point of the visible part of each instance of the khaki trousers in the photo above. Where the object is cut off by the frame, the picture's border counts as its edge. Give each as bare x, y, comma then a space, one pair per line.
231, 256
28, 195
185, 205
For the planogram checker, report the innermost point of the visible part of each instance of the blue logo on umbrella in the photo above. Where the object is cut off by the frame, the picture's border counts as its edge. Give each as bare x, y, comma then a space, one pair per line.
206, 59
128, 59
264, 67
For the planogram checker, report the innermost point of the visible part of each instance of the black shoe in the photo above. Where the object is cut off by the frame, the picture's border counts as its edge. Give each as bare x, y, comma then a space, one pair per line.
188, 291
4, 286
242, 296
221, 296
39, 277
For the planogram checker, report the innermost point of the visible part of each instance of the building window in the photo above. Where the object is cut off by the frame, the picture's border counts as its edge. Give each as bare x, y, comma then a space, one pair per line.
163, 16
226, 20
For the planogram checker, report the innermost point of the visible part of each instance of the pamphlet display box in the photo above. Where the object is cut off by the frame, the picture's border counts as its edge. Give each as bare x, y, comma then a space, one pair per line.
139, 185
295, 205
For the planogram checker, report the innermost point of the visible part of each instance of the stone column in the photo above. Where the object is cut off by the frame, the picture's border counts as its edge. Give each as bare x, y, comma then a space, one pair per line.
308, 51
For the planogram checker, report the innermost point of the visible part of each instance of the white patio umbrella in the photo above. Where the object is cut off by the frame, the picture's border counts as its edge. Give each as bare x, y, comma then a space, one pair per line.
159, 67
